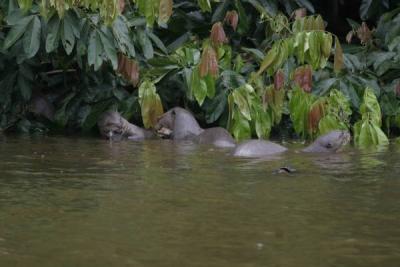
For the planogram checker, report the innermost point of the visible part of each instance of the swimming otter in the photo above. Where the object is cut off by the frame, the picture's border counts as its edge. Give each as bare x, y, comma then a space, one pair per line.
183, 126
330, 142
113, 126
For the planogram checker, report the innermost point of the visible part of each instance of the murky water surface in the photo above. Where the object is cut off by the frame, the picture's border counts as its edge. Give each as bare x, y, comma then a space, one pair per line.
87, 202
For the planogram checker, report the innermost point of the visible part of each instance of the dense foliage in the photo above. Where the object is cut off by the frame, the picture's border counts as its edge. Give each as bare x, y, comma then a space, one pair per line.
254, 66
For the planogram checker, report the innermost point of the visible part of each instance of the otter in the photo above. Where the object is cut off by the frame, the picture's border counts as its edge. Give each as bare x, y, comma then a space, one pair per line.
113, 126
40, 106
183, 126
330, 142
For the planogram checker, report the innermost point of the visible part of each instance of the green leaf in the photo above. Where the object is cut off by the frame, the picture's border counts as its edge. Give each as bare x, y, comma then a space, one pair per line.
109, 46
300, 46
122, 36
53, 33
243, 25
215, 107
198, 86
210, 83
200, 92
319, 23
365, 8
306, 4
268, 60
145, 43
326, 44
31, 39
323, 86
205, 5
149, 9
329, 123
17, 31
299, 106
220, 11
154, 38
263, 123
314, 48
241, 127
150, 103
338, 60
369, 135
95, 50
367, 131
370, 108
241, 102
14, 16
67, 35
258, 54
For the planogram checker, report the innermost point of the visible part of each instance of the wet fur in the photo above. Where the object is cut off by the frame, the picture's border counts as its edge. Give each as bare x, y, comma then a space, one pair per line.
328, 143
185, 127
113, 126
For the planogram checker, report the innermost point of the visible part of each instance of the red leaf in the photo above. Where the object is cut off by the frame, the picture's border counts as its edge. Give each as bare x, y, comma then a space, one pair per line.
208, 63
232, 19
217, 35
279, 80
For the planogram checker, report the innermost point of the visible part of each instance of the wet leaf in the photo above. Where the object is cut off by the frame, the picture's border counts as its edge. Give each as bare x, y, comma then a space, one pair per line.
240, 127
367, 131
150, 103
242, 104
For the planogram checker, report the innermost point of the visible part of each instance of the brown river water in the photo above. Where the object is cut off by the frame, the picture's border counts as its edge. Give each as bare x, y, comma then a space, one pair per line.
89, 202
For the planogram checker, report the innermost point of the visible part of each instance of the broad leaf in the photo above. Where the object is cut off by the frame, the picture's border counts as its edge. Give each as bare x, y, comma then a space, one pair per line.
32, 38
17, 31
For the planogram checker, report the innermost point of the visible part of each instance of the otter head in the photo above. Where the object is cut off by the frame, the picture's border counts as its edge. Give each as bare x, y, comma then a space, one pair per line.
330, 142
165, 123
179, 123
111, 125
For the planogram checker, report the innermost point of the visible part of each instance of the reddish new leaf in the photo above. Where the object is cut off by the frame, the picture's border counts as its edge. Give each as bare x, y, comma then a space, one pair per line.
279, 80
232, 19
217, 35
208, 63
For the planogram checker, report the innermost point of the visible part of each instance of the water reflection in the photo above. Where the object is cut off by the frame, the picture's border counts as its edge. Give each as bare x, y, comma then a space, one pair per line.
89, 202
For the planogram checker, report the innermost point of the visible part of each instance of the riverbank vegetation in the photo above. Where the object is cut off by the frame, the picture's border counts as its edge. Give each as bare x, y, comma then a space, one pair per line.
257, 67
